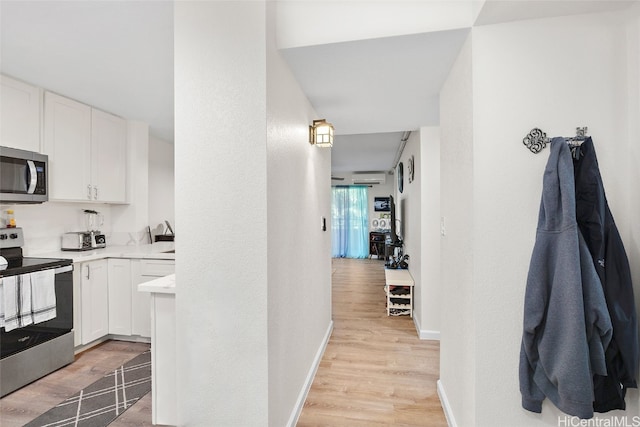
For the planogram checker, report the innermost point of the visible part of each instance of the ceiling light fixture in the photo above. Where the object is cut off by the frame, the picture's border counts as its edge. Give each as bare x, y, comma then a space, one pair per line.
321, 134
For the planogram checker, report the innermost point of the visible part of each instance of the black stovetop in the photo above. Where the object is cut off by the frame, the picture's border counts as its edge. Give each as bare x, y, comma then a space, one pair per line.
21, 265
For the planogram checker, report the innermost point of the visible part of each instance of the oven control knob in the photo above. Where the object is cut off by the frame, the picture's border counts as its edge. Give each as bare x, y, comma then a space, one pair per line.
13, 236
3, 236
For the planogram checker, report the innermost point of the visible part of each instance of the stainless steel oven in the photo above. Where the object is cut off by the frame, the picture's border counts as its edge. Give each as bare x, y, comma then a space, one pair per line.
23, 176
31, 352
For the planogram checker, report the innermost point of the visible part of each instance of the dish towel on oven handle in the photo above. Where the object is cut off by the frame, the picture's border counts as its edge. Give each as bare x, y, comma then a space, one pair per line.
16, 302
43, 295
27, 298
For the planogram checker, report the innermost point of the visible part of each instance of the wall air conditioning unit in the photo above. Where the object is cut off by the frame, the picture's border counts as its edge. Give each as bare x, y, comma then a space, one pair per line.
368, 178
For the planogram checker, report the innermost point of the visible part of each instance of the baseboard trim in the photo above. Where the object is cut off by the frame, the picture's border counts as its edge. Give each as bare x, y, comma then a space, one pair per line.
446, 407
131, 338
425, 334
302, 397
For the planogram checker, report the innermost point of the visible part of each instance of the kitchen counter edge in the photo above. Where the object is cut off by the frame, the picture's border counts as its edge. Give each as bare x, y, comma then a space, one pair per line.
162, 285
156, 250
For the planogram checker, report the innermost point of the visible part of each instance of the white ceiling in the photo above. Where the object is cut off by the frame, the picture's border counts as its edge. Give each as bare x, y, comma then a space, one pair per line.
118, 56
497, 11
373, 90
377, 85
365, 152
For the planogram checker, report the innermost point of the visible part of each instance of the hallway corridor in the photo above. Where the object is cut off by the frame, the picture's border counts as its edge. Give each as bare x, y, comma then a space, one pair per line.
375, 371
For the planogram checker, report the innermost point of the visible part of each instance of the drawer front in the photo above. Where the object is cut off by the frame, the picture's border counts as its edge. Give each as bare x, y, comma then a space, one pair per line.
159, 268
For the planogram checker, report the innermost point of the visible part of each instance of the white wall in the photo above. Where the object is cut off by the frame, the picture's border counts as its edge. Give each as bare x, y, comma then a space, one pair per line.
555, 74
221, 299
586, 87
408, 210
129, 222
254, 296
44, 224
420, 212
633, 158
298, 251
161, 183
428, 171
457, 383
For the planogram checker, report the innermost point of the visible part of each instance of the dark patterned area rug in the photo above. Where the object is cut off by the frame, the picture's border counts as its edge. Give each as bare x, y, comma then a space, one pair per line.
104, 400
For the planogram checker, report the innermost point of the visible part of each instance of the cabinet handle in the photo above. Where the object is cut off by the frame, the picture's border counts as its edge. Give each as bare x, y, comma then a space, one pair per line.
89, 191
88, 272
95, 193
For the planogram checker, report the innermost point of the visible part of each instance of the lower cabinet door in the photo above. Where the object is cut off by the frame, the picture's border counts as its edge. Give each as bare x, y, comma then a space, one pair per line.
120, 296
95, 300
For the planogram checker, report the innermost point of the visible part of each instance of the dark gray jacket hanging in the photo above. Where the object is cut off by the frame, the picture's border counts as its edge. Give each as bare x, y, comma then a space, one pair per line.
566, 323
610, 260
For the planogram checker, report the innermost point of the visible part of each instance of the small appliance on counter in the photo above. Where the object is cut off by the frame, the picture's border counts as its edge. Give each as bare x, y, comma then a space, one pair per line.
86, 240
82, 241
166, 237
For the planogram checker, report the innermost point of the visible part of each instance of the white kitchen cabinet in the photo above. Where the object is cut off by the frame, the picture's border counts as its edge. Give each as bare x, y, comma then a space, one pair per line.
87, 151
20, 107
108, 157
95, 300
119, 296
144, 270
67, 142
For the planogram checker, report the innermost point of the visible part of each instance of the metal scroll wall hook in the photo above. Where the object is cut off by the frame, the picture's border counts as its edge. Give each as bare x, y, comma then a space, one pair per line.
536, 140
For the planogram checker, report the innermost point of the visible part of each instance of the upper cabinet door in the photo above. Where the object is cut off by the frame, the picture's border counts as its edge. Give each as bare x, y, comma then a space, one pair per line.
20, 106
67, 142
109, 157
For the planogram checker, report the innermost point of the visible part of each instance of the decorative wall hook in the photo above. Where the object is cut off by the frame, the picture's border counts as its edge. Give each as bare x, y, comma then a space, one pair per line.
581, 132
536, 140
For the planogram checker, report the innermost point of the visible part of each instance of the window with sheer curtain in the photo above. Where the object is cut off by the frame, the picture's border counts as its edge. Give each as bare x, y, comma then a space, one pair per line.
349, 222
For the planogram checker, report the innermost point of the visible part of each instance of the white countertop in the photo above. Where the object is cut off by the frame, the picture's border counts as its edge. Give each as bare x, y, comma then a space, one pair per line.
162, 285
155, 250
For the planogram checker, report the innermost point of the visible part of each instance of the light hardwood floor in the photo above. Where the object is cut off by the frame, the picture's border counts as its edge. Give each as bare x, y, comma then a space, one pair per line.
375, 371
27, 403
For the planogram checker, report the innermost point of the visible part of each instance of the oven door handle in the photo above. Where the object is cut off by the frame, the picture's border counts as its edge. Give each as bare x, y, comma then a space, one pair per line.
64, 269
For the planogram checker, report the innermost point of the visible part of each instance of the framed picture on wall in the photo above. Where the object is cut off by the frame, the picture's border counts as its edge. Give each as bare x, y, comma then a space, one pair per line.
381, 204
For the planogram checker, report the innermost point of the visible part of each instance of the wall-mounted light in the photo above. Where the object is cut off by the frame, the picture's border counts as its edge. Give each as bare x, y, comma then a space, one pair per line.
321, 133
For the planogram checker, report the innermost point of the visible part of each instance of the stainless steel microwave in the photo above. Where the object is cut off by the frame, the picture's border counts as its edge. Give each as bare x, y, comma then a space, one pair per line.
23, 176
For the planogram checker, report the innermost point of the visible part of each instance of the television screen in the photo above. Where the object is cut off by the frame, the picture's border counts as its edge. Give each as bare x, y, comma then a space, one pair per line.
381, 204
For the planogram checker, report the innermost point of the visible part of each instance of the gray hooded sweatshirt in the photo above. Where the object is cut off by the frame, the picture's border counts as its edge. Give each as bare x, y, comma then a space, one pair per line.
566, 322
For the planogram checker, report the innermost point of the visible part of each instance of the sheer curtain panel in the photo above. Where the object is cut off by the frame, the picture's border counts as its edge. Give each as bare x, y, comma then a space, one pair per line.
350, 222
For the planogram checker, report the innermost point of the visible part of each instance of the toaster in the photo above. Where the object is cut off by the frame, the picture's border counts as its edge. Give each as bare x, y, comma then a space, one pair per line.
83, 241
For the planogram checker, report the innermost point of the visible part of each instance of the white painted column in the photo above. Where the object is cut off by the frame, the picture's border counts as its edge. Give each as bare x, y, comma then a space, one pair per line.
221, 268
